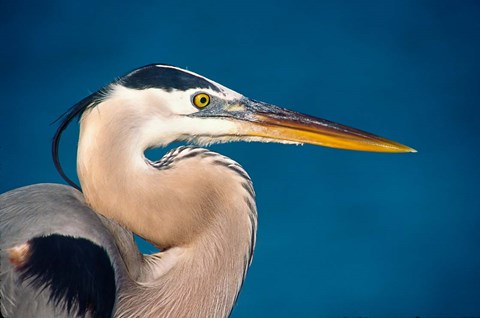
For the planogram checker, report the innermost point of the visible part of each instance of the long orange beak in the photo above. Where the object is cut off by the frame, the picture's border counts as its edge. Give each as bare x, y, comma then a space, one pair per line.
268, 122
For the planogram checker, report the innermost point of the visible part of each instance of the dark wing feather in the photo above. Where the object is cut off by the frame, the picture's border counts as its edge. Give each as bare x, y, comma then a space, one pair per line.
71, 265
75, 272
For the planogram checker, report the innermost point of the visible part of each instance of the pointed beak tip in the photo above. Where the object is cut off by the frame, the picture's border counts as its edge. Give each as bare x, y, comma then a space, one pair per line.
397, 148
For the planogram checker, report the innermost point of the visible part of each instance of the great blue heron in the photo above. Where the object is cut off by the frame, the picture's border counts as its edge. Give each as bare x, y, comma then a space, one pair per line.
59, 258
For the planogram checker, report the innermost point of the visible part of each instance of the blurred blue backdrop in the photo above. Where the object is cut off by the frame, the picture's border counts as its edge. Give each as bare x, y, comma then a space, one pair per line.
341, 233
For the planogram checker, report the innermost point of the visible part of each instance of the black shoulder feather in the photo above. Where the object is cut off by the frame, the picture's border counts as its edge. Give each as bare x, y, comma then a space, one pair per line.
77, 272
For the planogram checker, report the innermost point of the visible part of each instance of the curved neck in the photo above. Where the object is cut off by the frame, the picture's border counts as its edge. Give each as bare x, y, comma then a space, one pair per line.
197, 206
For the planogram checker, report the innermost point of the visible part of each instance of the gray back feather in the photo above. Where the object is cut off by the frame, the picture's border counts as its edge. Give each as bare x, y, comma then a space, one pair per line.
41, 210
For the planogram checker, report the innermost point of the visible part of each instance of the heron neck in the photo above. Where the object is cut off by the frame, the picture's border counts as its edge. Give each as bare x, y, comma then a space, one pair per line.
199, 210
202, 280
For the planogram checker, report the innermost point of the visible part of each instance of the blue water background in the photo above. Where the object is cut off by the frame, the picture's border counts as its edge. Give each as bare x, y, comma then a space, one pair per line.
340, 233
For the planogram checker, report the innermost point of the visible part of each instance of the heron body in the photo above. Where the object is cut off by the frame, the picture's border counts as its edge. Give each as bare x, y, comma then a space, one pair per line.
68, 253
199, 275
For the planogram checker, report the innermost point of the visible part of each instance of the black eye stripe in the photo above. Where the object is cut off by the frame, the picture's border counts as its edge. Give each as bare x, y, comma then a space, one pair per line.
165, 77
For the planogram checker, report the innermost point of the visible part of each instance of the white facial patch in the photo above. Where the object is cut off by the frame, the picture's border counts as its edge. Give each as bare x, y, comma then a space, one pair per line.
172, 102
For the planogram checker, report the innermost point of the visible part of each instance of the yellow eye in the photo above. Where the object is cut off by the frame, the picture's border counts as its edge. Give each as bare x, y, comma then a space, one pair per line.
201, 100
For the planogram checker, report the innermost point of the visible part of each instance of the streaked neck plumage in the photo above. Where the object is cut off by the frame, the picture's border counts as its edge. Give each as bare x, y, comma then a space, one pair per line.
197, 206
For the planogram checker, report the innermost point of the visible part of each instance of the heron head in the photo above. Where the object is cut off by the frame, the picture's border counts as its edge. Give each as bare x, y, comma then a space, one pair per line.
163, 103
